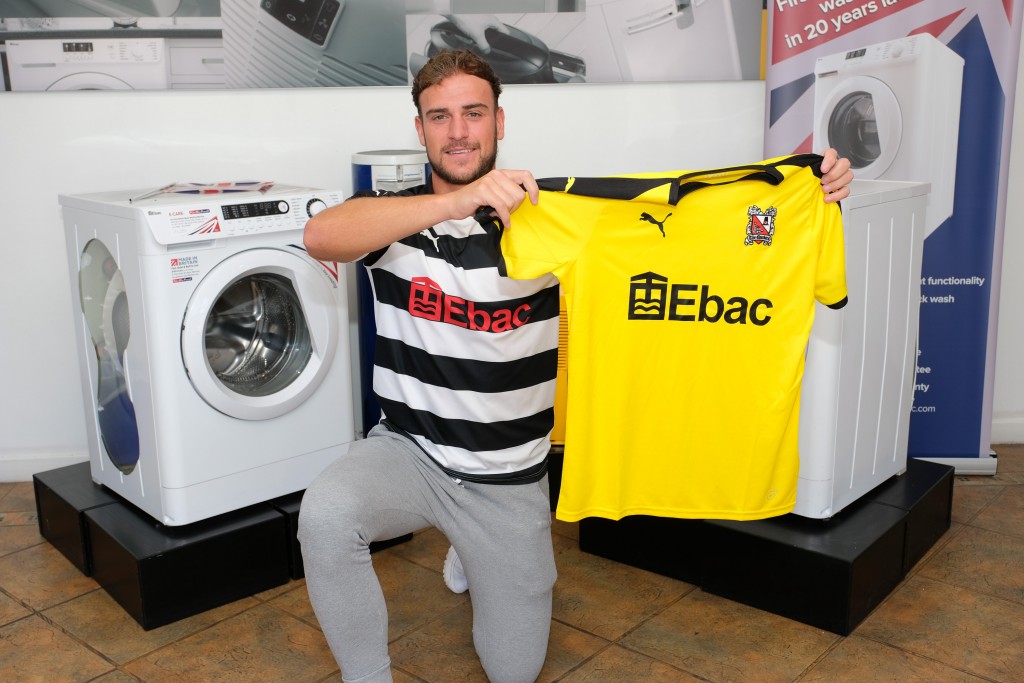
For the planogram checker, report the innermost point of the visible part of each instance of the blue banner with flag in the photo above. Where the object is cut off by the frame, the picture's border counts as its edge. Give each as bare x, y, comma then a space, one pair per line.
917, 90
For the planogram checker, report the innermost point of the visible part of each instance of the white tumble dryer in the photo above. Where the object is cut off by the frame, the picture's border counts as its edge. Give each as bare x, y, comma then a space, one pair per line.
214, 350
893, 109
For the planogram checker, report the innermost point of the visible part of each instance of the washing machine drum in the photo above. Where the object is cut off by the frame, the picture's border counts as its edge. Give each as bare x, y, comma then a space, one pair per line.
256, 338
863, 122
249, 346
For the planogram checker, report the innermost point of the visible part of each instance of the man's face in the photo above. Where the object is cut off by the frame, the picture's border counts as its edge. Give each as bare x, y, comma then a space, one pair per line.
460, 127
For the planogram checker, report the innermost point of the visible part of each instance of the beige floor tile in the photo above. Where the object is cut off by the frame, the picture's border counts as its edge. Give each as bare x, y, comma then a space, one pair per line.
721, 640
11, 609
983, 561
567, 529
960, 628
968, 501
260, 644
443, 652
1000, 478
396, 675
856, 660
97, 619
607, 598
427, 548
1011, 457
617, 664
271, 593
296, 602
20, 498
414, 595
32, 650
1005, 513
15, 538
41, 577
25, 518
116, 676
568, 647
1011, 476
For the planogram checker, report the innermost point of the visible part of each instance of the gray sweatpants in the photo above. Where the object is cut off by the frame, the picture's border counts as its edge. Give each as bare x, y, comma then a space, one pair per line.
384, 487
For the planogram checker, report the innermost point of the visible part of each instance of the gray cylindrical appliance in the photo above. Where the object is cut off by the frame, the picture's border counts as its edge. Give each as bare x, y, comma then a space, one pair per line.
393, 170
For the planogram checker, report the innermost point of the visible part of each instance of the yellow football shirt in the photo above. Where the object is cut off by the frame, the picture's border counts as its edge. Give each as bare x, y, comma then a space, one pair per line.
690, 297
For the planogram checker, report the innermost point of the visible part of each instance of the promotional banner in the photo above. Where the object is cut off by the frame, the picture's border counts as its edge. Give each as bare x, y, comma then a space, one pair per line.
76, 44
917, 90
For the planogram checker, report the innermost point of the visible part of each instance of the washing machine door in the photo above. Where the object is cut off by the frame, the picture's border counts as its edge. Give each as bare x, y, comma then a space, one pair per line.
259, 333
104, 304
88, 80
861, 119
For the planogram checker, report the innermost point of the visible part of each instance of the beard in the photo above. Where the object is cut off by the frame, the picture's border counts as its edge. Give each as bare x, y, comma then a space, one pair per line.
453, 177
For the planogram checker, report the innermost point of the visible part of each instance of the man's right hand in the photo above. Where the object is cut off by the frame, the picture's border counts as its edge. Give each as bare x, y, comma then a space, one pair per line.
501, 189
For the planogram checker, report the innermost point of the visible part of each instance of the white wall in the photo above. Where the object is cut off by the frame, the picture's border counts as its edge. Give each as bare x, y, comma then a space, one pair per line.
53, 143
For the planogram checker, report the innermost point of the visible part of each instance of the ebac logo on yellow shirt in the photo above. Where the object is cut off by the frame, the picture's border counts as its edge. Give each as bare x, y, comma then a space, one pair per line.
653, 297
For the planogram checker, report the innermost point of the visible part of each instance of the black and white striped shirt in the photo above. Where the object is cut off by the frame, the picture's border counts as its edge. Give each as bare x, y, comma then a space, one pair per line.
465, 359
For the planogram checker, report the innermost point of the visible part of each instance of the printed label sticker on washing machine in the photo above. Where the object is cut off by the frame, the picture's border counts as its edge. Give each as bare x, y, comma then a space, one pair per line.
184, 268
185, 225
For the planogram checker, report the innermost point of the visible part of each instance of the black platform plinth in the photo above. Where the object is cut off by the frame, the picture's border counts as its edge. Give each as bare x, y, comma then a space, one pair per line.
826, 573
926, 493
62, 497
160, 574
289, 506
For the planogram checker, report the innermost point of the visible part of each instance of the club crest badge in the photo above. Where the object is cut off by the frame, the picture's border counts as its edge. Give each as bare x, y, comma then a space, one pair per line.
760, 226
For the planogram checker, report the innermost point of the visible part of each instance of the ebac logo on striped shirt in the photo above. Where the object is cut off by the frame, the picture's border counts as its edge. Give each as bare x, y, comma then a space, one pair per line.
428, 301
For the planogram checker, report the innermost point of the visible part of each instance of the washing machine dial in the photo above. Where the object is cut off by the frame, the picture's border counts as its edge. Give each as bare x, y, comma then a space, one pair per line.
315, 206
282, 207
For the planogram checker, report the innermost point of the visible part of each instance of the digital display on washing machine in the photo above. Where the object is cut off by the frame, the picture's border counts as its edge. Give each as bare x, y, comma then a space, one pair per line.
856, 53
254, 209
77, 47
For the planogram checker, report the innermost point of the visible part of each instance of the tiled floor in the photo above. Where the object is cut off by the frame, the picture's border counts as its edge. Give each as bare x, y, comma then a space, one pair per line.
958, 616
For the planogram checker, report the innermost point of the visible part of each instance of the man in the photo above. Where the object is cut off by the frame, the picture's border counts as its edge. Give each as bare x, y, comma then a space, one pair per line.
465, 374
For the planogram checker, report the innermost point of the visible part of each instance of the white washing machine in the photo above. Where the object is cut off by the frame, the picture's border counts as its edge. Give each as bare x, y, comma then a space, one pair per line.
88, 64
893, 109
858, 383
214, 349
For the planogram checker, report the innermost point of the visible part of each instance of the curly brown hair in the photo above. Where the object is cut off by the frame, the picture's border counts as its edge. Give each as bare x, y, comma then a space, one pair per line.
448, 63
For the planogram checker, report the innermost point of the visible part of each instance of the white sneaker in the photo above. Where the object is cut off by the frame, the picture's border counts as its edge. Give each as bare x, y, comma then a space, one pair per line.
454, 576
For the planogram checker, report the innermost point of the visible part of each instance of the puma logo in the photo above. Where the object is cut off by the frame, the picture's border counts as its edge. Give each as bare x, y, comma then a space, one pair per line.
432, 236
651, 219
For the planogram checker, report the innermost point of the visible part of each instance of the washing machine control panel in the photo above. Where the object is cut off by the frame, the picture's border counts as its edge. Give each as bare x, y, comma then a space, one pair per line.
113, 51
96, 51
183, 223
253, 209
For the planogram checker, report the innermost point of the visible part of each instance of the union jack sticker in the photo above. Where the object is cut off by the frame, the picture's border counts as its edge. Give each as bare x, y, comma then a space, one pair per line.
760, 226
